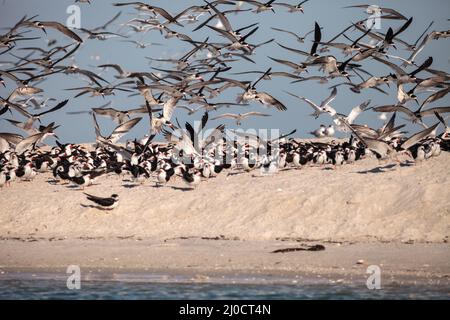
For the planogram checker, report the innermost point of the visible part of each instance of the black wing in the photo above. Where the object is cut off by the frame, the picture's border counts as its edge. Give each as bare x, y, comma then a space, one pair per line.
105, 202
204, 120
317, 38
191, 131
188, 177
57, 107
424, 65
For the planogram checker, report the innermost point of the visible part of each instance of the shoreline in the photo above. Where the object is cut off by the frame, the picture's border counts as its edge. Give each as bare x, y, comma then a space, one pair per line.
226, 261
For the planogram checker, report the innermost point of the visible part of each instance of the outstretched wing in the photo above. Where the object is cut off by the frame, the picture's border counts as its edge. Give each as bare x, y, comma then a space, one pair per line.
63, 29
395, 108
123, 129
332, 96
169, 107
418, 137
267, 99
357, 111
226, 115
31, 141
55, 108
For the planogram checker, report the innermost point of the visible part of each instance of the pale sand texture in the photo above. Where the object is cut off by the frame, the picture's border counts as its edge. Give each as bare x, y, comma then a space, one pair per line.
355, 202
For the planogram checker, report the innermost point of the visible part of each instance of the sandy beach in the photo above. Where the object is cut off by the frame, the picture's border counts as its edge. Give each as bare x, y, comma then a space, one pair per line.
368, 213
224, 150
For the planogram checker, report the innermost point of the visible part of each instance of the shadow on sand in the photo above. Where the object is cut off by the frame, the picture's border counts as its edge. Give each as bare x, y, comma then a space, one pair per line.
182, 188
387, 168
131, 185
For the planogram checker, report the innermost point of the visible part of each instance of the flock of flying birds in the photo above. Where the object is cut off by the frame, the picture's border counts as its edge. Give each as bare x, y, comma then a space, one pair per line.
197, 80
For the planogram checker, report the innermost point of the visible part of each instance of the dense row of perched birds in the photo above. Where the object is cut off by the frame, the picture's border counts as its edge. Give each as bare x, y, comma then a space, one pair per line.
196, 80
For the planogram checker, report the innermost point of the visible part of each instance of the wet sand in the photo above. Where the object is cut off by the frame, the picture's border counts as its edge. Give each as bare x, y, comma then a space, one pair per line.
207, 260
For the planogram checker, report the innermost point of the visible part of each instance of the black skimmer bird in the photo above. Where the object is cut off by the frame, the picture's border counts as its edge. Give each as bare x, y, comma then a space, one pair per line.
241, 116
143, 45
400, 75
338, 158
207, 170
320, 157
43, 25
382, 10
61, 171
436, 96
117, 116
101, 91
164, 174
100, 35
350, 155
261, 6
216, 168
334, 68
414, 116
297, 68
293, 8
43, 163
157, 123
299, 38
324, 107
418, 154
391, 35
250, 94
85, 179
26, 172
446, 134
349, 119
192, 179
10, 176
371, 83
282, 160
347, 48
249, 162
269, 164
140, 6
117, 133
436, 148
139, 174
108, 203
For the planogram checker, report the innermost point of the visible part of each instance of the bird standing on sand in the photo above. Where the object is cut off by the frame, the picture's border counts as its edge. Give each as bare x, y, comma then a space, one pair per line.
338, 159
164, 174
85, 179
191, 179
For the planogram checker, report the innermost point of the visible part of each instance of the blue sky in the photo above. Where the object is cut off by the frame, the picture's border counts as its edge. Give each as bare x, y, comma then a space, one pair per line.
330, 15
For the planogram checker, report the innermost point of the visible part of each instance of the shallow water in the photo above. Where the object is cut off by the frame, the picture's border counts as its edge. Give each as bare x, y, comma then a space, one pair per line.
57, 289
